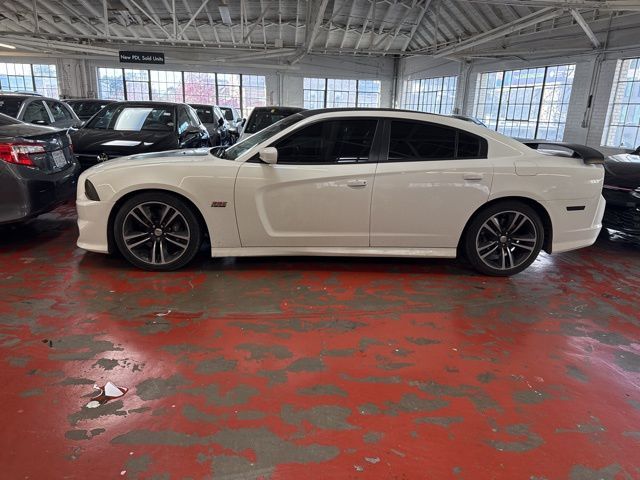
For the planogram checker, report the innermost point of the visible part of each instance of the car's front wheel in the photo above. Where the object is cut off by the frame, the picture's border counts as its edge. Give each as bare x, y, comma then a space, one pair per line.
157, 231
504, 238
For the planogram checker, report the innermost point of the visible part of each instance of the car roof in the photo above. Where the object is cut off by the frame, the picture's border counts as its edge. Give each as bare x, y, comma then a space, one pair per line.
25, 96
280, 109
69, 100
147, 103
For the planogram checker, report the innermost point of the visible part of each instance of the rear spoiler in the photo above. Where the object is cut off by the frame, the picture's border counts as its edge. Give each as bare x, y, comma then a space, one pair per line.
589, 155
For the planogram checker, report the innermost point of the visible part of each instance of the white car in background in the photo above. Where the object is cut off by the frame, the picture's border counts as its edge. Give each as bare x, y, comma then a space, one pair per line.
348, 182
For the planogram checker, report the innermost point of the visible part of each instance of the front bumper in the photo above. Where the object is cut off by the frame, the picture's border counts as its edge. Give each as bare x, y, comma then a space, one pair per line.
27, 193
622, 212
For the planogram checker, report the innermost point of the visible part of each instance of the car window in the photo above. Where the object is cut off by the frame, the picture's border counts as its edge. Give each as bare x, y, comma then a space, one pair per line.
205, 114
59, 111
183, 120
134, 118
263, 117
193, 117
86, 109
7, 120
332, 141
228, 114
36, 113
10, 106
469, 146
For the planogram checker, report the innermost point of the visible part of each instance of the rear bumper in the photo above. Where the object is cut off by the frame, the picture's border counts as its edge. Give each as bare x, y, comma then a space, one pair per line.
573, 229
27, 193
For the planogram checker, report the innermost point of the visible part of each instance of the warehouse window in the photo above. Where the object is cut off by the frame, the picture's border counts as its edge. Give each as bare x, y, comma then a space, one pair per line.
200, 88
622, 127
227, 89
528, 103
254, 93
166, 86
431, 95
136, 83
27, 77
330, 93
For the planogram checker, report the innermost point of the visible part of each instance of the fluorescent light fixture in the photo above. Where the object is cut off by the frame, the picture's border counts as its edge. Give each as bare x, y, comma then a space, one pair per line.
224, 13
6, 45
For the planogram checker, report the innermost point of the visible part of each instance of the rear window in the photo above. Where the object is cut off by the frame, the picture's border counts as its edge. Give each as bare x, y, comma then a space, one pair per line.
7, 120
134, 118
228, 113
86, 109
262, 118
10, 106
205, 114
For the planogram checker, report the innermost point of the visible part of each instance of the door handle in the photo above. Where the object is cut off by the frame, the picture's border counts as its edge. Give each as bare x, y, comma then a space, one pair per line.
357, 183
473, 176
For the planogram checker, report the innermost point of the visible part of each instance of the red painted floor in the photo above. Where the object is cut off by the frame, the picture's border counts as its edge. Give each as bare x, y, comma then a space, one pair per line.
290, 368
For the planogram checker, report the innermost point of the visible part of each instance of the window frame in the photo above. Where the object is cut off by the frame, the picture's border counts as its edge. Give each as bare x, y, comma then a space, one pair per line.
506, 93
31, 74
484, 144
609, 124
374, 152
325, 90
418, 101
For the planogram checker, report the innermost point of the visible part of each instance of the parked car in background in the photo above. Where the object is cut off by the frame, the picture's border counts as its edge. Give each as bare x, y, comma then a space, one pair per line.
127, 128
38, 110
263, 117
622, 192
85, 108
234, 117
38, 171
348, 182
213, 119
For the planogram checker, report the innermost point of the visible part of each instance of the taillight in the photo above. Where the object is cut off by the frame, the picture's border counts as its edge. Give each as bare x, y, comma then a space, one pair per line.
20, 153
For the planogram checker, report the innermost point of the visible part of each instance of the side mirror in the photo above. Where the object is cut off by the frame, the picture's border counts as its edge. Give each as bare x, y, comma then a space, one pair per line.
269, 155
243, 122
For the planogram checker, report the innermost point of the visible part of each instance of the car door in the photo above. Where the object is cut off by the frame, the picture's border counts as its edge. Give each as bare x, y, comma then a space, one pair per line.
318, 194
428, 185
36, 112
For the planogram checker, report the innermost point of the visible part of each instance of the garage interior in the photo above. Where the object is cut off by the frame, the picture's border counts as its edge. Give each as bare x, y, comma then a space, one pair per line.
290, 367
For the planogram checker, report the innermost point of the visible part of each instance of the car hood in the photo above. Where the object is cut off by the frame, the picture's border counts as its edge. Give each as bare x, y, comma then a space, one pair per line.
118, 143
622, 171
172, 157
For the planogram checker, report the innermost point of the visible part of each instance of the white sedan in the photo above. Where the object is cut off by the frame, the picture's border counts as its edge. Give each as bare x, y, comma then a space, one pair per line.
348, 182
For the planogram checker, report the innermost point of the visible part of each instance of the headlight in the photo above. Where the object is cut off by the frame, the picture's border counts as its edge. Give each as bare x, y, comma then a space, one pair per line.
90, 191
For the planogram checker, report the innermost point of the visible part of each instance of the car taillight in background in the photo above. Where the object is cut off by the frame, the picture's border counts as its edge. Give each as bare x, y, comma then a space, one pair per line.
20, 153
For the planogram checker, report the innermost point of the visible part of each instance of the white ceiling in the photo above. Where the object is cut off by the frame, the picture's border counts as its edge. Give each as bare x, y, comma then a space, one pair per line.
294, 28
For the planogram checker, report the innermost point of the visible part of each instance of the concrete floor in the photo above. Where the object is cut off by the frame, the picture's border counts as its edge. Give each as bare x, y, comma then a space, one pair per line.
316, 368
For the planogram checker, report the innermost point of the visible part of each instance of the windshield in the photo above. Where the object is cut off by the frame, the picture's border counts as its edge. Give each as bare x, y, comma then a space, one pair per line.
86, 109
10, 106
243, 146
228, 113
134, 118
205, 113
261, 118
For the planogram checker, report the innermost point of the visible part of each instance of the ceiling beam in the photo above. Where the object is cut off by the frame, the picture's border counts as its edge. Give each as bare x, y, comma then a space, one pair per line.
585, 26
515, 26
425, 7
193, 17
609, 5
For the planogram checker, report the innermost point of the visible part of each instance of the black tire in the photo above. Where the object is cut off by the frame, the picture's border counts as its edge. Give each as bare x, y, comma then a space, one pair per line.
172, 245
493, 249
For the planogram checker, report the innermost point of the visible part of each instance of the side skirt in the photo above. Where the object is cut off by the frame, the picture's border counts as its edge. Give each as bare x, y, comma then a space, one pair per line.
334, 252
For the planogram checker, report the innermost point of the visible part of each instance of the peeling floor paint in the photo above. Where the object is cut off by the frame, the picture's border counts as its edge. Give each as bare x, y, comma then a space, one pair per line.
295, 367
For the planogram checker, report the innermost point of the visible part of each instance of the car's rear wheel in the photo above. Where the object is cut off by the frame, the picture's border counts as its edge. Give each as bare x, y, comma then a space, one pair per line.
157, 231
504, 238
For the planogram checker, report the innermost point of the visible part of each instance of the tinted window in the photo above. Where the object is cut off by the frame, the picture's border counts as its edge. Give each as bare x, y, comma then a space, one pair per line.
86, 109
421, 141
134, 118
334, 141
228, 113
469, 146
36, 113
59, 111
193, 117
183, 120
263, 117
205, 114
10, 106
7, 120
